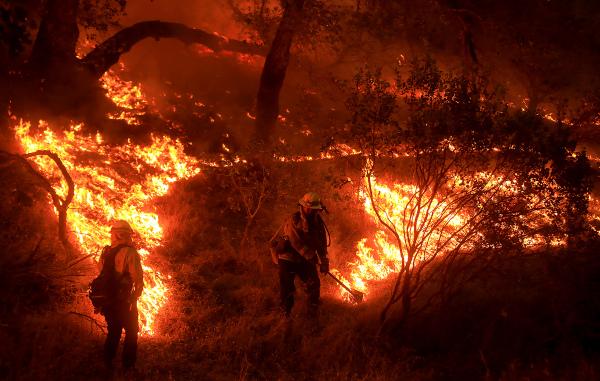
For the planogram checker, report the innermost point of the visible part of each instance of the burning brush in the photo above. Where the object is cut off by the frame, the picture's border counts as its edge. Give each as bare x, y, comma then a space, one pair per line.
357, 296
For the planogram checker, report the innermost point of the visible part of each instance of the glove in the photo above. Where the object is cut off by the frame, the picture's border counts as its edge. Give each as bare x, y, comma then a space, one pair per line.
324, 266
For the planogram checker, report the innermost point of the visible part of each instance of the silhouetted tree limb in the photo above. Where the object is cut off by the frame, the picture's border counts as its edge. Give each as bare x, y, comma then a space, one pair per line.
61, 205
252, 187
467, 19
91, 319
101, 58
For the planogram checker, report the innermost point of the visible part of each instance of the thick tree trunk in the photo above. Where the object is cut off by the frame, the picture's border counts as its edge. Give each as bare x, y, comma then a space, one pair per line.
108, 53
54, 78
274, 70
57, 36
59, 81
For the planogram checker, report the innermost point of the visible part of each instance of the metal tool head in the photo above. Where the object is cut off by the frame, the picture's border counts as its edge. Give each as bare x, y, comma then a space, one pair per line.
357, 296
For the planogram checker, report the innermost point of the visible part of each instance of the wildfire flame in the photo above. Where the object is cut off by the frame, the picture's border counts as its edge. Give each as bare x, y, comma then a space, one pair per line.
126, 95
379, 256
114, 183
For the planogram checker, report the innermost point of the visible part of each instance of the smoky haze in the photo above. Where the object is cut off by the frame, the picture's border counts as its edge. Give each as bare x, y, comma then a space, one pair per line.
522, 47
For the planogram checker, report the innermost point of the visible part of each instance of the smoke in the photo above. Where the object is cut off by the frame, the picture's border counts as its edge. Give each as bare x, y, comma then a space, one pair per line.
512, 45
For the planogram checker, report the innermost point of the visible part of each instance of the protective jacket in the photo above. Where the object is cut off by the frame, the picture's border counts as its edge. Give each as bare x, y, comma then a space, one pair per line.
307, 238
127, 260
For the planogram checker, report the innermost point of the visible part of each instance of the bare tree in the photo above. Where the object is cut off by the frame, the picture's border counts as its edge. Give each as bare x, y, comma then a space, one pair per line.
251, 182
448, 198
61, 204
482, 179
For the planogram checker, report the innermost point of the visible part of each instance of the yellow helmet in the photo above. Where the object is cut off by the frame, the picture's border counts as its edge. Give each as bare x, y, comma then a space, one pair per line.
311, 200
121, 226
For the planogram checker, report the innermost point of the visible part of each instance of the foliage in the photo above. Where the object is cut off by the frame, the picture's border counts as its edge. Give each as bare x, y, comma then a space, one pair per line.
319, 25
101, 15
481, 175
15, 29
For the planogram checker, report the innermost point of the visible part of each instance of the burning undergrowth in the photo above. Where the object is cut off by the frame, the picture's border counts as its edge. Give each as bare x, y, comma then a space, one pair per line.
135, 174
203, 220
113, 183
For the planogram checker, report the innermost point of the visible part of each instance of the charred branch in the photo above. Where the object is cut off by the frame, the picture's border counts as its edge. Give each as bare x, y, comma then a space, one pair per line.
90, 319
101, 58
61, 205
252, 198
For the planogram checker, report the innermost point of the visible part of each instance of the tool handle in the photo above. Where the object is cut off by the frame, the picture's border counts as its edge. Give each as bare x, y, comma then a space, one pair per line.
340, 283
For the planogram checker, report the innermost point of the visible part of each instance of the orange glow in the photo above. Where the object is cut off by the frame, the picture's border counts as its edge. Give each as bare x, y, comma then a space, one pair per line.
378, 256
335, 152
114, 183
126, 95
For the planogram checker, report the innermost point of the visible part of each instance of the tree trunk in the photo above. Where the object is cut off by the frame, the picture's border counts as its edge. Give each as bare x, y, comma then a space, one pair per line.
54, 78
61, 204
57, 36
406, 300
404, 296
274, 70
101, 58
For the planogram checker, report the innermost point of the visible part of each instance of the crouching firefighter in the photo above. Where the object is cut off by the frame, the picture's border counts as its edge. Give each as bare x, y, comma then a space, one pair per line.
115, 291
297, 248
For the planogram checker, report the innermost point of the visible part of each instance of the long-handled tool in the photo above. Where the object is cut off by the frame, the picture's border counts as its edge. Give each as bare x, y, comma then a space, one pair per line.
356, 295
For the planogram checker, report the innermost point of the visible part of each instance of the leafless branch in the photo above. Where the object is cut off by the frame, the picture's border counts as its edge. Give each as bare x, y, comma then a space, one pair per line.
101, 58
90, 319
60, 204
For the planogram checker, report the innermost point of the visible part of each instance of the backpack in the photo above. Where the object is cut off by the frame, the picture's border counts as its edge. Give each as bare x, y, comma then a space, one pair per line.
109, 289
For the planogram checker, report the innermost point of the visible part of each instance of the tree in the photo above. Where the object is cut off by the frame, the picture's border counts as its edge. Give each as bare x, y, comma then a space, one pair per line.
61, 204
57, 37
481, 178
51, 73
274, 70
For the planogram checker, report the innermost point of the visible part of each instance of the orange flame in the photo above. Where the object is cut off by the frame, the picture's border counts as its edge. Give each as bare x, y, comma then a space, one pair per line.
379, 256
126, 95
114, 183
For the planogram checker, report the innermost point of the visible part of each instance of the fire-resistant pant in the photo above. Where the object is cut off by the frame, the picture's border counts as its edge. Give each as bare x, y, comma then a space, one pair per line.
119, 317
307, 272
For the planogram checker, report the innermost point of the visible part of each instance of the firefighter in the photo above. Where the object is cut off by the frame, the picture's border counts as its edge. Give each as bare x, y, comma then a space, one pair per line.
301, 248
122, 312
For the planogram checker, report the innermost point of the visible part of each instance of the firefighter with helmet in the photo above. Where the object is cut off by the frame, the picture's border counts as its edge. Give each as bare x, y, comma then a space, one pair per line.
122, 314
301, 247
